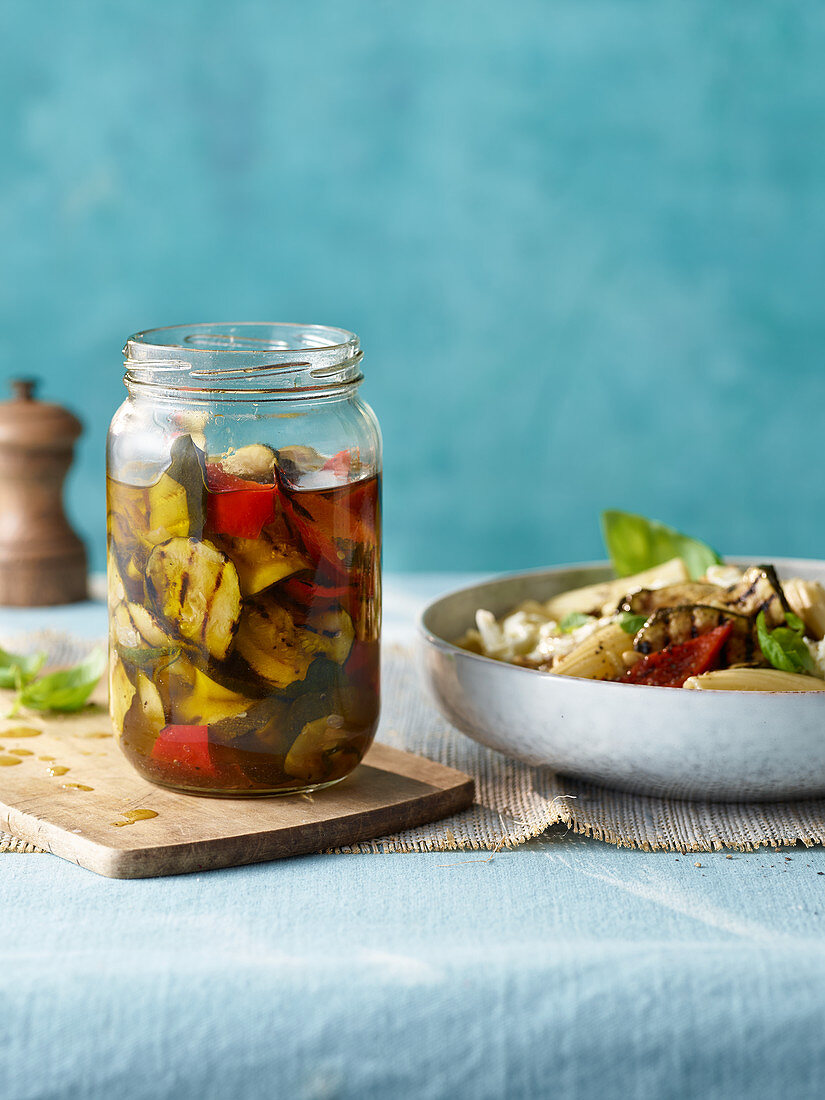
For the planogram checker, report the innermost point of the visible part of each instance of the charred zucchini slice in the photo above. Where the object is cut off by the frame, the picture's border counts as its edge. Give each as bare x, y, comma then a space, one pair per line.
116, 589
315, 751
167, 511
330, 633
208, 702
260, 563
121, 692
264, 720
270, 643
194, 698
145, 718
195, 589
134, 626
140, 518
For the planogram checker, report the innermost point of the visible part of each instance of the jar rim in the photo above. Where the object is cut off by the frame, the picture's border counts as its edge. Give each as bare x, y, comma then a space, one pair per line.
243, 357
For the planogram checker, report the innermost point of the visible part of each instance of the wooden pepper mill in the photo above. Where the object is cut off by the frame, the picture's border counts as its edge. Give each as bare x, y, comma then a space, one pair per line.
42, 561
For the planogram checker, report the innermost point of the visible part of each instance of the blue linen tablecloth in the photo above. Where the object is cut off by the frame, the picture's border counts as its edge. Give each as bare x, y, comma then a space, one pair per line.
565, 968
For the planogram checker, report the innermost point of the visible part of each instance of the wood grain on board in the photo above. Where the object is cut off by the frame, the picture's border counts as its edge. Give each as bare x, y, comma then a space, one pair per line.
43, 801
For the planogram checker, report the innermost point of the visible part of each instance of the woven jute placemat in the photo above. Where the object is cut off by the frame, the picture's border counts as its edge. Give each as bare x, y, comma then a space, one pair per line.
515, 802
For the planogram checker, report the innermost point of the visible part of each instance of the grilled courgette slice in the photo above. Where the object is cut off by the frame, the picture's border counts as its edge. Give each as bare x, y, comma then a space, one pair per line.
195, 589
208, 701
121, 692
193, 698
270, 643
145, 717
260, 563
330, 633
318, 748
134, 626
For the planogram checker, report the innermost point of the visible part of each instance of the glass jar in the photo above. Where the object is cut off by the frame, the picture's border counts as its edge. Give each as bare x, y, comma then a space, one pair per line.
244, 495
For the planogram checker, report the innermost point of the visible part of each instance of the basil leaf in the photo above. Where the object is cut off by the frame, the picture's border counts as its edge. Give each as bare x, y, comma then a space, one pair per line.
573, 620
16, 670
630, 623
66, 690
148, 656
784, 647
794, 622
636, 544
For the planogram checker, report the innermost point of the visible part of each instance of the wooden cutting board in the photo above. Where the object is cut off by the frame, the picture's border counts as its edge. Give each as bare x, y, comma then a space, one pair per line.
74, 794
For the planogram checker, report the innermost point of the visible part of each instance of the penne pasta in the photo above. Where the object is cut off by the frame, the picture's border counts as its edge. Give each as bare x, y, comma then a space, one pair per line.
595, 599
753, 679
807, 599
599, 657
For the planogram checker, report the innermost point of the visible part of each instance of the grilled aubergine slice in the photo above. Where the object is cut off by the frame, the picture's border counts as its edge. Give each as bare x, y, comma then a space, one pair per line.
675, 625
758, 590
195, 589
188, 469
646, 600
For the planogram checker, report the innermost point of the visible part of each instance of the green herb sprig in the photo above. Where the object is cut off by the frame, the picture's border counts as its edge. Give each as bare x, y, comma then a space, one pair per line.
785, 646
66, 690
16, 670
573, 620
630, 623
635, 544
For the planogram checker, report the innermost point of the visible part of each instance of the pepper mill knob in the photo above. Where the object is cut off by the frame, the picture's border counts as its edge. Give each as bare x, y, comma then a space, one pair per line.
23, 388
42, 561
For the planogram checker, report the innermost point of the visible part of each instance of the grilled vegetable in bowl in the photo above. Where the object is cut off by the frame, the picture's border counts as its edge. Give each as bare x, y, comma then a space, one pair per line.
663, 627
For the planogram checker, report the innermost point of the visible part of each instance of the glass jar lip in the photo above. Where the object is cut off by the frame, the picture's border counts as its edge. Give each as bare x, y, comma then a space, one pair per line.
243, 357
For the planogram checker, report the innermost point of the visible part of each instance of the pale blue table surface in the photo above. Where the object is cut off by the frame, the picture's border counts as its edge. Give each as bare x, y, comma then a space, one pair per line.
564, 968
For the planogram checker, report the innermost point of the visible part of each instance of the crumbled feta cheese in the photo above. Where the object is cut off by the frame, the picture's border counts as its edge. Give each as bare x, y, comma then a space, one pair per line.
818, 653
528, 633
514, 636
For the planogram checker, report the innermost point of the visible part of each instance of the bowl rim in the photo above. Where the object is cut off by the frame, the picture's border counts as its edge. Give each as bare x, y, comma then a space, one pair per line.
435, 640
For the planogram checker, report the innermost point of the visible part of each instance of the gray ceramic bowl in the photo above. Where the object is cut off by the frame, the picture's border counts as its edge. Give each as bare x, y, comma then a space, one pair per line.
689, 744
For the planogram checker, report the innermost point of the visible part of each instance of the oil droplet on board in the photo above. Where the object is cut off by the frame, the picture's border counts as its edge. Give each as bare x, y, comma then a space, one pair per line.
48, 759
21, 752
57, 769
95, 736
134, 815
76, 787
9, 761
22, 731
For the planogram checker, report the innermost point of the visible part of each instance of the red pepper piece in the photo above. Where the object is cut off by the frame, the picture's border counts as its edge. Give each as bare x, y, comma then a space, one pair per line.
185, 746
316, 542
674, 664
306, 592
237, 507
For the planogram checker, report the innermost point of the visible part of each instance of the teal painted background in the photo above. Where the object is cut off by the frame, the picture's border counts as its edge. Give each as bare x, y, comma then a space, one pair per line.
583, 242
